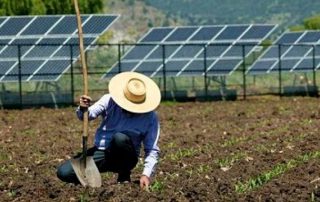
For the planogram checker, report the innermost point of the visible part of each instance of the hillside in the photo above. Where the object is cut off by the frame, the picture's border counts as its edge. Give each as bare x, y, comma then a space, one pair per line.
136, 18
199, 12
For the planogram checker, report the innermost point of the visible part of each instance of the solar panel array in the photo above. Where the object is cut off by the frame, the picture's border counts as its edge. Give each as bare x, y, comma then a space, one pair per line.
184, 50
44, 39
299, 51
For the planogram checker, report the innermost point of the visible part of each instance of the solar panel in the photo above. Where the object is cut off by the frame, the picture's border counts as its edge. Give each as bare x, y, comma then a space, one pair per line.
297, 50
44, 40
184, 49
156, 34
41, 25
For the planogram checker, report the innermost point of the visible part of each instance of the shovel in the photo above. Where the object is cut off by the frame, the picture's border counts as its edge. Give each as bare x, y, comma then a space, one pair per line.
84, 166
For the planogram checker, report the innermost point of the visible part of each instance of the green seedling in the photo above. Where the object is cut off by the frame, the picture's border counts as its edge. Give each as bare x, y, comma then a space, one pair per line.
203, 169
12, 193
157, 186
183, 153
254, 183
229, 160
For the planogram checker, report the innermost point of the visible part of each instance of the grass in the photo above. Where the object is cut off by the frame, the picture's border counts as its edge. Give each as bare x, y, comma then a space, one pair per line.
183, 153
229, 160
234, 140
3, 157
277, 170
157, 186
169, 103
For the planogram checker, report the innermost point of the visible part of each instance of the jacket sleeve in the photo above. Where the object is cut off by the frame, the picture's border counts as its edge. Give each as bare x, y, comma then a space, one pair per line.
151, 148
96, 109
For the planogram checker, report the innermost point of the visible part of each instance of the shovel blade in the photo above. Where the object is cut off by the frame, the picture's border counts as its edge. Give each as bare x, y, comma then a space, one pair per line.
88, 174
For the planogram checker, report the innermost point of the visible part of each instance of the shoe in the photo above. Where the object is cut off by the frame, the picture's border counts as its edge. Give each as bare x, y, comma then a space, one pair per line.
124, 177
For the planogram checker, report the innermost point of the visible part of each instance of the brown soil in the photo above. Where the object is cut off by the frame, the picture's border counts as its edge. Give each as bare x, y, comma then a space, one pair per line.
206, 150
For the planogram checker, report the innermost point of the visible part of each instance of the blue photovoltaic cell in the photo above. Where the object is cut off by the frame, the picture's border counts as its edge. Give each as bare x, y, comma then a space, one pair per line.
305, 65
75, 41
181, 34
139, 52
23, 41
41, 40
27, 69
310, 37
12, 51
64, 51
297, 51
196, 67
46, 47
216, 50
156, 35
286, 64
158, 52
262, 66
220, 42
173, 67
52, 41
4, 41
51, 70
188, 51
223, 66
2, 20
40, 25
289, 38
257, 32
68, 25
13, 26
97, 24
294, 47
231, 32
317, 50
237, 51
148, 67
170, 49
5, 66
206, 33
41, 51
272, 52
123, 67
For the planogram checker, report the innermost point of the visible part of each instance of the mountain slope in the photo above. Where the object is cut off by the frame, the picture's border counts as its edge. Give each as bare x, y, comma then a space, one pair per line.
196, 12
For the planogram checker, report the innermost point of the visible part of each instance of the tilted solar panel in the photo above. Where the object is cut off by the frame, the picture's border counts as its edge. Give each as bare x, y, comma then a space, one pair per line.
293, 51
180, 50
44, 44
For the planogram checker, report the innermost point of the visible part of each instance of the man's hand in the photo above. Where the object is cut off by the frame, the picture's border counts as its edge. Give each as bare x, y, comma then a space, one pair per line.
84, 102
144, 182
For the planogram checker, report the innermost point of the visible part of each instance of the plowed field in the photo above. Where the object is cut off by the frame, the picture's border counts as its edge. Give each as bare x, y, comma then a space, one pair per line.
255, 150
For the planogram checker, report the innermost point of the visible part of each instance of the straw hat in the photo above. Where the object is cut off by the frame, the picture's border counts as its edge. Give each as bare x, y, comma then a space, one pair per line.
134, 92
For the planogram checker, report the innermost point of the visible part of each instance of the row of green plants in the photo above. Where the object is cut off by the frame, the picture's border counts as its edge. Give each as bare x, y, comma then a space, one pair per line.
277, 170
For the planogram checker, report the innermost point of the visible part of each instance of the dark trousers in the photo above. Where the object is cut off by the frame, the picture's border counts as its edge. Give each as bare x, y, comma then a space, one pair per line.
120, 158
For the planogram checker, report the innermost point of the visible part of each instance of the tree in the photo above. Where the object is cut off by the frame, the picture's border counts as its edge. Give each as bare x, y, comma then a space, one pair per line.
312, 22
41, 7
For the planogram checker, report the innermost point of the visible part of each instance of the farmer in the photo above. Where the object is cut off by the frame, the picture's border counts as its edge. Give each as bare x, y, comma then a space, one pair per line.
128, 121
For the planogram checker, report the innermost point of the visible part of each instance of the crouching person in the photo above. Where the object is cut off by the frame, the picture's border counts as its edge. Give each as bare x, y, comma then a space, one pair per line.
128, 121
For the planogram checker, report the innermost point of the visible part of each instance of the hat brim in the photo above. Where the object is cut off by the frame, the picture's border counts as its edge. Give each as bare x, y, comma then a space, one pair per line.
116, 90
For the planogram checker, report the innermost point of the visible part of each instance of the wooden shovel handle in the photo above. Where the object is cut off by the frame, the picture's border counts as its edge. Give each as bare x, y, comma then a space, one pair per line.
84, 66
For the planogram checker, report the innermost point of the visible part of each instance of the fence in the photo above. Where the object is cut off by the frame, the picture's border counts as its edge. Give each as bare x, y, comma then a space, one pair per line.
226, 81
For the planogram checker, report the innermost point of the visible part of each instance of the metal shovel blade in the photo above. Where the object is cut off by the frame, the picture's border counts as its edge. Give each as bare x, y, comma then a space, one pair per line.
87, 174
